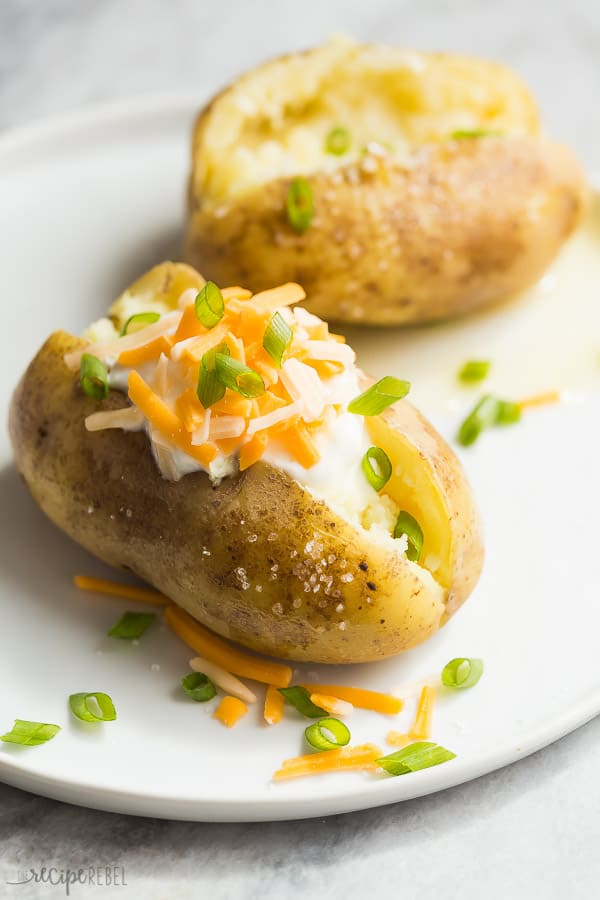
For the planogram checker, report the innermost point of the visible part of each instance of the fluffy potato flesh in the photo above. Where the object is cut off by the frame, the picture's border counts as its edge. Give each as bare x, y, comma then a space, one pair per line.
258, 559
422, 227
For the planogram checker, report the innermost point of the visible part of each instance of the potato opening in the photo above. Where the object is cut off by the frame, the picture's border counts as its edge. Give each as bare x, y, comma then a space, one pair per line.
274, 121
414, 489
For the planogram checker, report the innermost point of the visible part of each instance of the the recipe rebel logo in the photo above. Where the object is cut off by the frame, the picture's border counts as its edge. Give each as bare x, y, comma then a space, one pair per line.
97, 876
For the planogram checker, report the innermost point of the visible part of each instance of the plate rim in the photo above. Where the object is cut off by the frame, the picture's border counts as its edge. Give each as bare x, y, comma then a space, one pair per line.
146, 108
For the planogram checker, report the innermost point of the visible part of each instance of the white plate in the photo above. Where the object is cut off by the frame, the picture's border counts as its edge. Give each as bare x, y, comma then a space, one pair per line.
87, 204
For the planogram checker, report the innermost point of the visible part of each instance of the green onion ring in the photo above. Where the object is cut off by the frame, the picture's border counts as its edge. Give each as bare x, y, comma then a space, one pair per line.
462, 672
209, 305
86, 706
318, 739
379, 396
142, 319
94, 377
378, 475
408, 525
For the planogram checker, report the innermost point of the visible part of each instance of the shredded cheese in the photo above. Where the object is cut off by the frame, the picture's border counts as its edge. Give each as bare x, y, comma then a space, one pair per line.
114, 589
273, 705
360, 697
223, 654
230, 710
360, 757
539, 400
223, 679
333, 705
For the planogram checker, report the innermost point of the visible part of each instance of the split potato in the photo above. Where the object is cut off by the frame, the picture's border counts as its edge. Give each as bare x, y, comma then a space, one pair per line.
446, 198
259, 559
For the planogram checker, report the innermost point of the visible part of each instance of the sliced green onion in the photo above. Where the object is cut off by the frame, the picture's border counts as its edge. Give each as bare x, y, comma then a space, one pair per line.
483, 416
377, 467
132, 625
327, 734
139, 321
299, 204
94, 377
209, 305
277, 338
420, 755
462, 672
337, 141
474, 370
408, 525
489, 411
30, 734
209, 388
93, 707
508, 412
300, 698
198, 686
379, 396
462, 134
238, 377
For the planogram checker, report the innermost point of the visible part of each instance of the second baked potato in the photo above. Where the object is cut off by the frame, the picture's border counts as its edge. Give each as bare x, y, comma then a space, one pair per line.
425, 188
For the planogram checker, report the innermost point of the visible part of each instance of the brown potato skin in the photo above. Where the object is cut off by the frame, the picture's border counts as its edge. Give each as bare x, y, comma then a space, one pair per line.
468, 223
192, 541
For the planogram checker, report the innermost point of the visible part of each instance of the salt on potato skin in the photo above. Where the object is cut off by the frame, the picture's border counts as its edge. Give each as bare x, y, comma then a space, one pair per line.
190, 540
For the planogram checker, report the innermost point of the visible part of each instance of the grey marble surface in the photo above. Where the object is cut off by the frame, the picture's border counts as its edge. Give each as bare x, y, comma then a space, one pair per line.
528, 831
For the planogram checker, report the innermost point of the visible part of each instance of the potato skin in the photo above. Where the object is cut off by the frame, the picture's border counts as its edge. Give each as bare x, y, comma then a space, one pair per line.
466, 224
228, 555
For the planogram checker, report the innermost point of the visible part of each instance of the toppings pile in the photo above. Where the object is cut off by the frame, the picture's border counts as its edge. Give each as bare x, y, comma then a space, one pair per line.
227, 375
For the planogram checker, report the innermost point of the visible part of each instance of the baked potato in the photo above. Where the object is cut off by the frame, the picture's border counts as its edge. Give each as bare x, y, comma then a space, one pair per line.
262, 556
438, 195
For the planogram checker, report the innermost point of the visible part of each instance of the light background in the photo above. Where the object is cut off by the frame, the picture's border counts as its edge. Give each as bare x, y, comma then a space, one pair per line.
530, 831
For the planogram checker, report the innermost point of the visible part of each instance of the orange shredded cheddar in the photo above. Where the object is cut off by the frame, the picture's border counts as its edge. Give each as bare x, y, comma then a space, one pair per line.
115, 589
147, 352
189, 409
324, 368
223, 654
360, 697
230, 710
198, 347
421, 727
273, 706
397, 739
252, 325
296, 439
164, 420
539, 400
236, 347
275, 298
232, 404
269, 402
360, 757
189, 325
252, 451
228, 445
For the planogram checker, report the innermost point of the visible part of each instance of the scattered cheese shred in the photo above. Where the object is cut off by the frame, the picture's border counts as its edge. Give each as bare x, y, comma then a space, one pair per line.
421, 727
273, 706
539, 400
333, 705
360, 697
397, 739
223, 654
360, 757
223, 679
230, 710
115, 589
